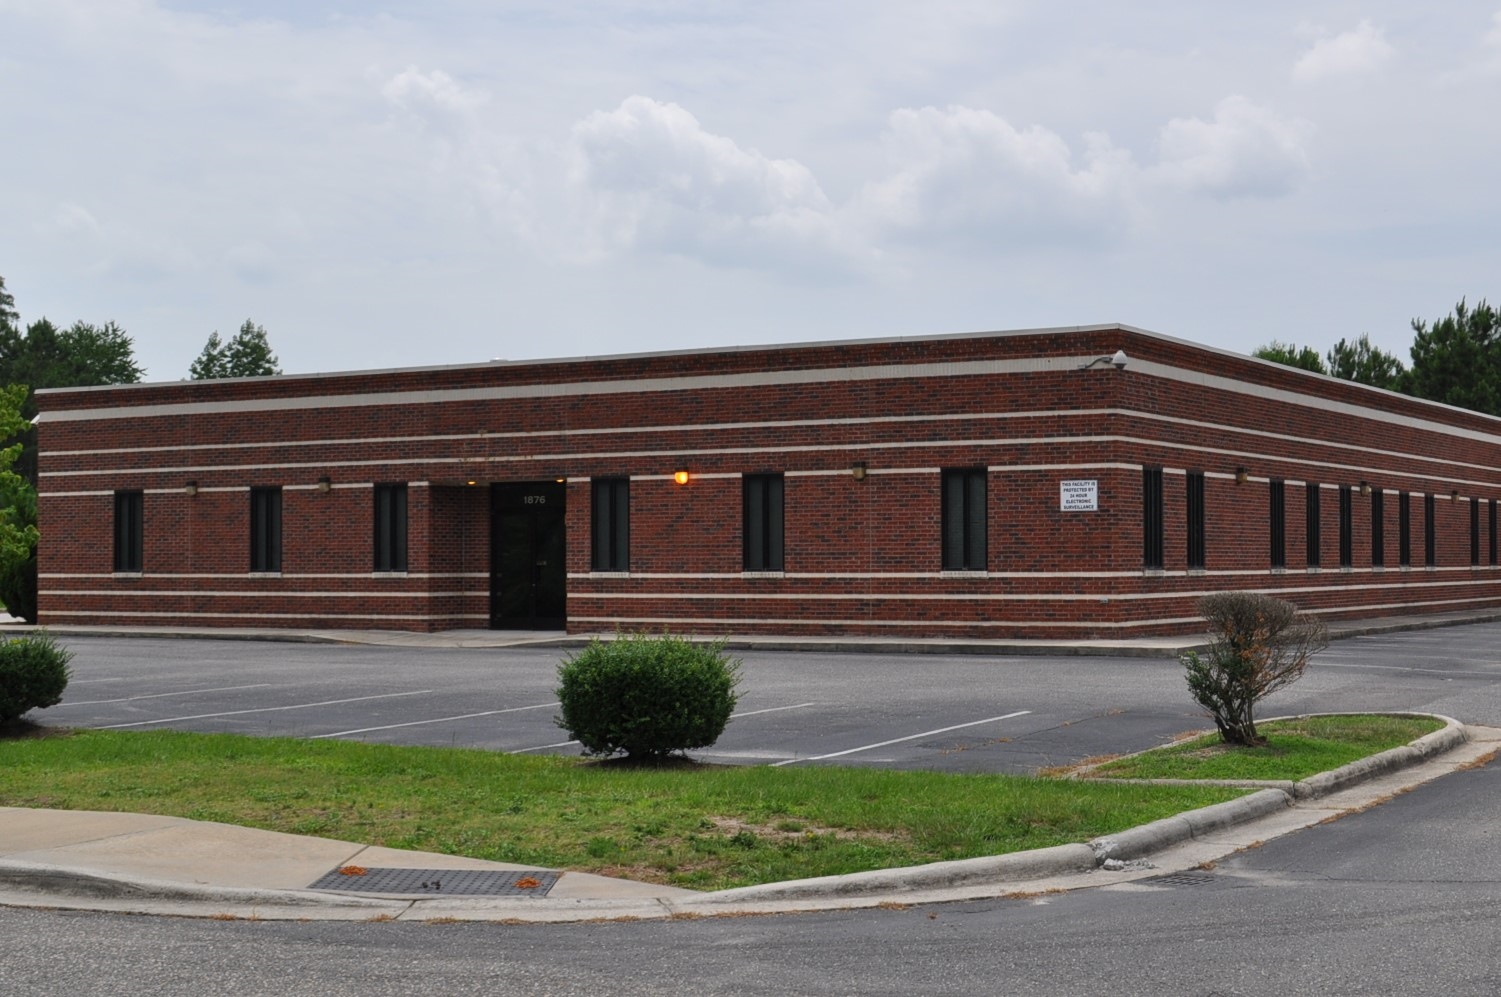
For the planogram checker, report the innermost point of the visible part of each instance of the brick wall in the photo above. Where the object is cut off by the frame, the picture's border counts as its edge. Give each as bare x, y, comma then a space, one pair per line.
862, 556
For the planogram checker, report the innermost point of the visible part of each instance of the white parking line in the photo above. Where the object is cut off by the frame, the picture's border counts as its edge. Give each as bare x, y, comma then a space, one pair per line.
436, 720
164, 695
733, 716
265, 709
899, 740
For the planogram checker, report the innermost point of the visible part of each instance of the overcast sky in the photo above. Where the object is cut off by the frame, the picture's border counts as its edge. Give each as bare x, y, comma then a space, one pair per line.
403, 183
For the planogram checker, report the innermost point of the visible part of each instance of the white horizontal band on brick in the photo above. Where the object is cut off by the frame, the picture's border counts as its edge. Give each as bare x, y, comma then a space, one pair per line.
267, 616
889, 575
727, 623
972, 596
967, 418
258, 594
669, 455
355, 575
573, 389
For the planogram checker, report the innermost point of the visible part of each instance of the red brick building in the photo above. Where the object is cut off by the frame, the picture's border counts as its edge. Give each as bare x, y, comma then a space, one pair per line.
1049, 483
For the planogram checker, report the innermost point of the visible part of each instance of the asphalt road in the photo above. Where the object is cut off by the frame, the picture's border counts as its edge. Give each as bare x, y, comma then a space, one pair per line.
954, 713
1402, 899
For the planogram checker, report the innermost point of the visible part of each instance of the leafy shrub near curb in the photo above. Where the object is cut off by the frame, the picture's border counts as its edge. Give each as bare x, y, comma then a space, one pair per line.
647, 697
33, 674
1258, 644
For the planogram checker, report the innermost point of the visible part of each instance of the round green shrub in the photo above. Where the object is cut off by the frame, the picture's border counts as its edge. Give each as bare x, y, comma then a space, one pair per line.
33, 674
647, 697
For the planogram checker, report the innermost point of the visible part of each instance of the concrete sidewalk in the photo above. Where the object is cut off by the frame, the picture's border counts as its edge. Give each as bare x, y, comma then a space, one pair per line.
1156, 647
172, 866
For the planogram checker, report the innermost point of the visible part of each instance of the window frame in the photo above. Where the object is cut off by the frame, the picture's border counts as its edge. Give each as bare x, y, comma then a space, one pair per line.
610, 525
964, 515
1313, 526
129, 531
1277, 522
763, 522
265, 529
1194, 510
390, 521
1378, 528
1152, 547
1430, 531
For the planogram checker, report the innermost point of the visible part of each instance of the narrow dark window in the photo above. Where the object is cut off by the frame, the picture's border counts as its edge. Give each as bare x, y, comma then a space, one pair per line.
129, 523
612, 524
1196, 519
763, 522
265, 529
1346, 527
391, 527
1151, 517
1430, 531
1312, 516
1474, 533
1404, 529
1378, 528
1277, 513
964, 519
1493, 532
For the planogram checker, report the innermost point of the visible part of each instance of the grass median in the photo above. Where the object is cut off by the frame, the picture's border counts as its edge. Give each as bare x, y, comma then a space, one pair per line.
699, 826
1296, 748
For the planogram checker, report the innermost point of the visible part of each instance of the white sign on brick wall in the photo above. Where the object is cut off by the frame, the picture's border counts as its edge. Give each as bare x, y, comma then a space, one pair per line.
1079, 496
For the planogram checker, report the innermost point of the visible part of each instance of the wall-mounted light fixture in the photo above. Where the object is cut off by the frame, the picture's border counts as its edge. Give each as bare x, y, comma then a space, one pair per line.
471, 481
858, 470
1454, 495
680, 475
1118, 360
1365, 488
191, 488
324, 484
1241, 475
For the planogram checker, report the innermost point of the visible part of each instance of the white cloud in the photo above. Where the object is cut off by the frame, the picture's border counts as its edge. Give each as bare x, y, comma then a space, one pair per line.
1492, 43
649, 175
1246, 151
1361, 50
970, 173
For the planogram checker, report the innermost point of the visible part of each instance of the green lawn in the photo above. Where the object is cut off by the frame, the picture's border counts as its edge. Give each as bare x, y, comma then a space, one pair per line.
706, 827
1296, 749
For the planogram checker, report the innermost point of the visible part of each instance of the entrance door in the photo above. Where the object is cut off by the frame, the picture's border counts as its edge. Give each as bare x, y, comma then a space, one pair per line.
528, 583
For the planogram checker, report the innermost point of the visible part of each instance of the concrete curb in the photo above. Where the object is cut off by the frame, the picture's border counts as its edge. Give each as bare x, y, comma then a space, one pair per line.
1424, 748
52, 880
55, 886
1036, 864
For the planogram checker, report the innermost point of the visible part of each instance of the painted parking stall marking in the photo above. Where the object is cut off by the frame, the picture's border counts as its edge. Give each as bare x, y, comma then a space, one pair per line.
164, 695
267, 709
899, 740
733, 716
435, 720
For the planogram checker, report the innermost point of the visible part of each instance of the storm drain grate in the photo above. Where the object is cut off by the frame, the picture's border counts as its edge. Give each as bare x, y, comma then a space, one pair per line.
441, 882
1182, 879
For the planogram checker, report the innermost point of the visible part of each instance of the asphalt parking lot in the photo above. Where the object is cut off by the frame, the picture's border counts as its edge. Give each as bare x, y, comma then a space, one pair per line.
962, 713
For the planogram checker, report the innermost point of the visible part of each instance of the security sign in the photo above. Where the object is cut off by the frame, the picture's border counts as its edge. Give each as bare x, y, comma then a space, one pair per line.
1079, 496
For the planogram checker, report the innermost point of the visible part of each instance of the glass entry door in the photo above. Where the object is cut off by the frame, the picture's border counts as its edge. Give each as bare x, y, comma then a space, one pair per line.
528, 576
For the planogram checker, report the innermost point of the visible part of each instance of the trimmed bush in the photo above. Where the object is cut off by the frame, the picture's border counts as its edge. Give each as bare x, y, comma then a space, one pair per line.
1257, 645
647, 697
33, 674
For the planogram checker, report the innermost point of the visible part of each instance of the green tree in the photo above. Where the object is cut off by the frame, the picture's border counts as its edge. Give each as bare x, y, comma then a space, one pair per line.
1291, 355
8, 316
247, 354
44, 356
18, 532
1457, 359
1366, 364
